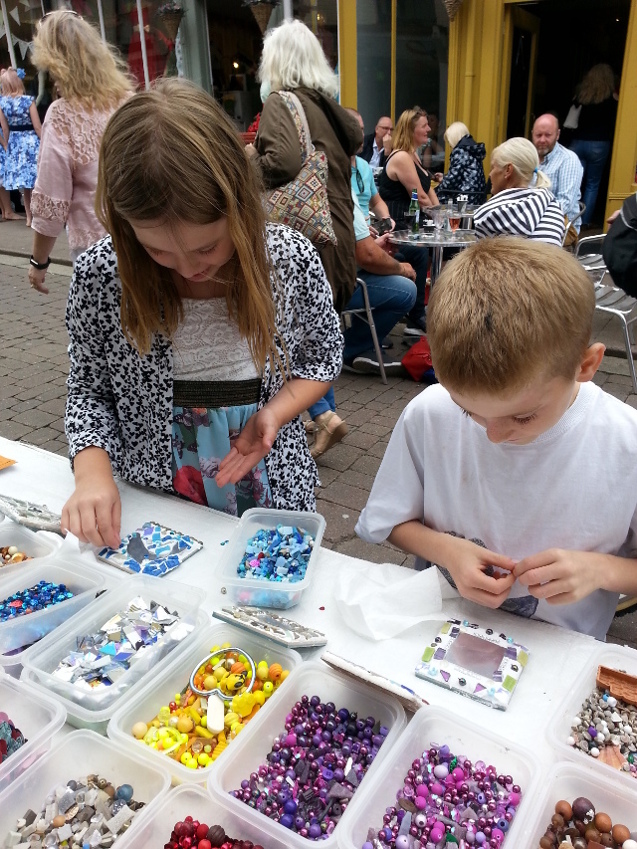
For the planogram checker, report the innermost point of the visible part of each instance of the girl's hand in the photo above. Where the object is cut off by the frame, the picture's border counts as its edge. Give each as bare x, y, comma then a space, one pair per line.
93, 513
560, 576
253, 443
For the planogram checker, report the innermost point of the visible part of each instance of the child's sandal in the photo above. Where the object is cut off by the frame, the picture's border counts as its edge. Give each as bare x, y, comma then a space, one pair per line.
326, 436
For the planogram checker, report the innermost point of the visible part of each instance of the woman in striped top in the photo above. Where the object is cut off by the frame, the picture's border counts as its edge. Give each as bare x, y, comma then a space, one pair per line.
515, 208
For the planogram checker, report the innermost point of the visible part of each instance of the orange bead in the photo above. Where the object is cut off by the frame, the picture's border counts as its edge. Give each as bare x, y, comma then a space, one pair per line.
237, 667
274, 672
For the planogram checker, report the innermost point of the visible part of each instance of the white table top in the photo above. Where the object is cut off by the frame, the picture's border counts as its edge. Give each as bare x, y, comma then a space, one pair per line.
557, 656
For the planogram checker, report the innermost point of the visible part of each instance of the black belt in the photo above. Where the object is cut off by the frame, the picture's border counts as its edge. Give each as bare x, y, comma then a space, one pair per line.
213, 394
22, 128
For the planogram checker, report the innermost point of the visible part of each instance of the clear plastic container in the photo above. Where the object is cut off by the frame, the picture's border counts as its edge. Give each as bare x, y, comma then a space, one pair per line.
78, 754
38, 719
257, 593
559, 728
94, 709
155, 827
35, 544
432, 724
145, 703
568, 781
80, 579
253, 745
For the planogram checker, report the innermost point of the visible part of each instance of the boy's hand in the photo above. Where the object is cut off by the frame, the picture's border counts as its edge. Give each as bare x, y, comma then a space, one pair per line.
560, 576
472, 568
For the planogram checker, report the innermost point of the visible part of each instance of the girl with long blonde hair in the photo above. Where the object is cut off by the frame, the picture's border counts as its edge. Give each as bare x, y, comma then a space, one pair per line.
198, 332
92, 82
23, 125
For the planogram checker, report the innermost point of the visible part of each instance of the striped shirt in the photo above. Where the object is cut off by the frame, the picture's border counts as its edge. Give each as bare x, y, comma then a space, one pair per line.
531, 213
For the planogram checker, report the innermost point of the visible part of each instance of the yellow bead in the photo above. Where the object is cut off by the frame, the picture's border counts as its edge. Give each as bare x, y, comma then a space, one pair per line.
262, 670
259, 697
268, 688
203, 759
177, 697
185, 758
204, 720
285, 674
207, 748
192, 764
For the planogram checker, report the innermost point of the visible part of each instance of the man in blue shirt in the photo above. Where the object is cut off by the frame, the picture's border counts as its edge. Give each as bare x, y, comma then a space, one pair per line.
560, 165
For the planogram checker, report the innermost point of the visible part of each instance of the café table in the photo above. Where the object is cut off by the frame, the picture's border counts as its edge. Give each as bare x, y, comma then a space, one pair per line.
437, 240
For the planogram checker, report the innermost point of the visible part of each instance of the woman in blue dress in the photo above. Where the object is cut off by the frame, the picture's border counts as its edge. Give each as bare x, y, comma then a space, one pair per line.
21, 156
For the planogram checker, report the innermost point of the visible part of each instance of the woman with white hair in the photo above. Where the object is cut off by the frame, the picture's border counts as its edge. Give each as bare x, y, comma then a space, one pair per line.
516, 208
293, 60
466, 171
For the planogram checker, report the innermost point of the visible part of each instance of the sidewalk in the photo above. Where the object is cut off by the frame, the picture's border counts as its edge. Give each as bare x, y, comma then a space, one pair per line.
34, 364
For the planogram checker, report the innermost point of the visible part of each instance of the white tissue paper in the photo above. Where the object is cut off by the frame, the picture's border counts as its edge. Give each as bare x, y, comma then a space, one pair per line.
389, 599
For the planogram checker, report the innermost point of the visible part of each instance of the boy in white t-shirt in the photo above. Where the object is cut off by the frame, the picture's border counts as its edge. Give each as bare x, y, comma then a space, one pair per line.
516, 475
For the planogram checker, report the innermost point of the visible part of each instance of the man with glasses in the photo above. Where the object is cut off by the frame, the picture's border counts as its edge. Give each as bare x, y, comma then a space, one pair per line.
377, 145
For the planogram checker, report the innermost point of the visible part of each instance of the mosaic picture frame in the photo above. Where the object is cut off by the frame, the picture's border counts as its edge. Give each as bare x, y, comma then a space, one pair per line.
476, 662
152, 549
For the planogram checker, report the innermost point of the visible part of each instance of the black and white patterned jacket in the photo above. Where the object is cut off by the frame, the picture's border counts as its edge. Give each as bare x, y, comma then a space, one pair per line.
122, 402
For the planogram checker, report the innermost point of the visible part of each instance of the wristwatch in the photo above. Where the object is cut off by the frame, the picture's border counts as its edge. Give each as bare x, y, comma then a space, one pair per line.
41, 266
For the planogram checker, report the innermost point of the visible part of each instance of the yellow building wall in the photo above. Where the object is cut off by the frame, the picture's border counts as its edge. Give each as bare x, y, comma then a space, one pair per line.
478, 86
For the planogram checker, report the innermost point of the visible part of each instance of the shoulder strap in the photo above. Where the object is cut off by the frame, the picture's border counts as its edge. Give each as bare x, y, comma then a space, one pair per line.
300, 120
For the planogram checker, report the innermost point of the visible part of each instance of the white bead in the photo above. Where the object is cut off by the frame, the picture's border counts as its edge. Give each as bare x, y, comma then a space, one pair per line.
576, 722
612, 701
628, 729
629, 844
616, 717
570, 741
594, 752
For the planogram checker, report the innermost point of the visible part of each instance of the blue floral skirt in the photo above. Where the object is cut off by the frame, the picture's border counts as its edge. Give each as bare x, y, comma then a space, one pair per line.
201, 438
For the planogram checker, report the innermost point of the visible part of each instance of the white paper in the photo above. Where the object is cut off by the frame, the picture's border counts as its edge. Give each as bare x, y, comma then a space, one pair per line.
390, 599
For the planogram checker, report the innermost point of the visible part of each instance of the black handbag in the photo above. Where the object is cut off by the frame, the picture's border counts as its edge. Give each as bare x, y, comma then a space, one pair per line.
620, 248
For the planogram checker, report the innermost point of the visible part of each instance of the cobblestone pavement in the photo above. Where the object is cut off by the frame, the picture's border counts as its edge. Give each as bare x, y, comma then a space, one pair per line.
33, 369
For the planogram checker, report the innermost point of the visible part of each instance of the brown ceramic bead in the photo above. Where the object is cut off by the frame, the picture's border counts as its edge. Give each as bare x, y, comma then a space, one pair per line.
109, 790
547, 842
571, 832
557, 821
606, 839
620, 833
58, 821
564, 809
592, 833
603, 822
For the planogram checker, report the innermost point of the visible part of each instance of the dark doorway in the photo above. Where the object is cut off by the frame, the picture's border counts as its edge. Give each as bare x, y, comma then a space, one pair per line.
574, 36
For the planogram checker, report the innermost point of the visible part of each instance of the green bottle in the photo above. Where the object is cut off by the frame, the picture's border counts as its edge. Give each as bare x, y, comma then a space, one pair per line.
414, 212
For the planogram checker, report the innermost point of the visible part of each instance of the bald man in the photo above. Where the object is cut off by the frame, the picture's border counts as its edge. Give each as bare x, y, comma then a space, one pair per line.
560, 165
377, 145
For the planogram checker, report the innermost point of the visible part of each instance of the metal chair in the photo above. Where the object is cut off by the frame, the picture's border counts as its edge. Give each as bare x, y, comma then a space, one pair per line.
588, 252
366, 313
614, 301
582, 210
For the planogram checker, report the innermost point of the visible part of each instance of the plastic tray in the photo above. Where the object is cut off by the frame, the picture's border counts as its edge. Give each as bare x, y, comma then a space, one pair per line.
154, 829
280, 594
559, 728
83, 582
431, 724
568, 781
88, 710
253, 745
36, 545
37, 719
79, 754
161, 690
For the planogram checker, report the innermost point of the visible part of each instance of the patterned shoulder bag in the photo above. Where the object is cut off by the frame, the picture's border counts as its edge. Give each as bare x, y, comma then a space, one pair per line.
302, 203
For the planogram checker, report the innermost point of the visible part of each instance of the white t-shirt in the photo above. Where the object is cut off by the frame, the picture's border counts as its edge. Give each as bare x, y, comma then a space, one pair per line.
574, 487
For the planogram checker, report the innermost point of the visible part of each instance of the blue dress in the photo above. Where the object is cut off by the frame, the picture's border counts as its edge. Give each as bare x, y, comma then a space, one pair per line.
21, 159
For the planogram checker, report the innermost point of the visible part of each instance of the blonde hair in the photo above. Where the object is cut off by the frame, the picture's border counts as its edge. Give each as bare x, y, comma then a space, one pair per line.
172, 155
522, 155
12, 85
506, 310
293, 57
403, 135
85, 68
598, 85
455, 132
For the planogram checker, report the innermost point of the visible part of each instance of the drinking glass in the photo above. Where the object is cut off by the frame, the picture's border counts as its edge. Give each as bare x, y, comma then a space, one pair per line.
438, 216
454, 221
